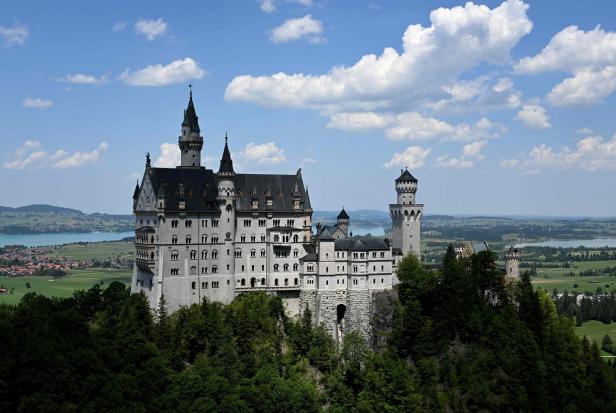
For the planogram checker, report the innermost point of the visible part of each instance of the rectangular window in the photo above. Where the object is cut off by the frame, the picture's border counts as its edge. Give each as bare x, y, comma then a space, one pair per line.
215, 223
247, 222
262, 222
194, 285
214, 284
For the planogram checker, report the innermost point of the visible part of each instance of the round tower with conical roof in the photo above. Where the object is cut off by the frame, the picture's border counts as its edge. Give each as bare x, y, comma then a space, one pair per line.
191, 141
512, 269
406, 216
343, 221
226, 202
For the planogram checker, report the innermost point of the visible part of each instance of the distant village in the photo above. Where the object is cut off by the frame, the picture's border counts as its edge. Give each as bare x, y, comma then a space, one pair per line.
18, 261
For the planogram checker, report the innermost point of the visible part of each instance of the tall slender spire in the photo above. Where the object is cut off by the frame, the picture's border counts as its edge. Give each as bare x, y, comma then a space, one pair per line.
190, 115
226, 163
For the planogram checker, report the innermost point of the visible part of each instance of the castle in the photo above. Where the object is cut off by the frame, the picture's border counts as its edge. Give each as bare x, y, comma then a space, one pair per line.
204, 234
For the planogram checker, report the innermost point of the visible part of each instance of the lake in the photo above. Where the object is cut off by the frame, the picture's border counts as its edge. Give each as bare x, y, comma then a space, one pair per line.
37, 240
571, 243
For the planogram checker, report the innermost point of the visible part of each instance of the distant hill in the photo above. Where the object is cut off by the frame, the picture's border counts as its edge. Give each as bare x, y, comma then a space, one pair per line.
48, 209
52, 209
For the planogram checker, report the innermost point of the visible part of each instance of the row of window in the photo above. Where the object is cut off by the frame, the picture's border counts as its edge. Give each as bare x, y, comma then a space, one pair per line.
214, 238
205, 285
254, 282
215, 222
143, 238
144, 254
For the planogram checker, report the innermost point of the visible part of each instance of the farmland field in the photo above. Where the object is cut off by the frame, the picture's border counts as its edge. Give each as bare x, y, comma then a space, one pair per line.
557, 278
99, 250
60, 287
595, 330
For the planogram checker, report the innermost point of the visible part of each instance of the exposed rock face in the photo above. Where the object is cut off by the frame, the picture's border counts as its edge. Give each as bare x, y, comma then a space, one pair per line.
382, 307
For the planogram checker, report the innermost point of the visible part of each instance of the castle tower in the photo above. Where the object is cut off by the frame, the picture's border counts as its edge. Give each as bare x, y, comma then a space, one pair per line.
343, 221
512, 269
190, 141
406, 215
226, 202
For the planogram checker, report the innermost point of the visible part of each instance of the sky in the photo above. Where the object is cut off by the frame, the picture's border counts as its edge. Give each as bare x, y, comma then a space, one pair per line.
496, 107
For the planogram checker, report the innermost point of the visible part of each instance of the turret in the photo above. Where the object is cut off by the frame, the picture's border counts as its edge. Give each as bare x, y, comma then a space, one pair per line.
343, 221
406, 216
136, 196
406, 187
190, 141
226, 185
512, 269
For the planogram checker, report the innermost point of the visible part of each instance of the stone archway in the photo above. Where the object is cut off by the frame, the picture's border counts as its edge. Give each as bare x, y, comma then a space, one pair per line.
339, 329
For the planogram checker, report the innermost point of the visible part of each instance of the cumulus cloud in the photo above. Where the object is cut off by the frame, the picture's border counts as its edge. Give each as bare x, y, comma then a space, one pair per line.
36, 103
31, 155
412, 157
265, 153
433, 57
483, 93
414, 126
534, 116
587, 86
169, 156
151, 29
79, 158
589, 56
592, 153
471, 153
83, 79
178, 71
15, 35
269, 6
297, 29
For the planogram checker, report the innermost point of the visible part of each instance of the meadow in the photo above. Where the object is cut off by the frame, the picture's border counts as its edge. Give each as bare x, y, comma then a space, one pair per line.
60, 287
89, 251
558, 278
595, 330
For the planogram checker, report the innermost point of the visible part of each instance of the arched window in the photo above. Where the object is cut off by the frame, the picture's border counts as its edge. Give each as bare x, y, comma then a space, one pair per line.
276, 267
295, 281
214, 254
188, 239
228, 236
193, 270
262, 253
214, 239
214, 269
174, 239
276, 282
243, 282
295, 253
229, 207
204, 239
262, 282
253, 253
286, 267
286, 282
204, 255
238, 253
193, 255
253, 238
188, 223
295, 267
295, 238
152, 255
242, 238
174, 223
262, 238
276, 238
174, 255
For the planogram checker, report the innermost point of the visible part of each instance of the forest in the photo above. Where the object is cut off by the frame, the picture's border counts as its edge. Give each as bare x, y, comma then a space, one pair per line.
460, 340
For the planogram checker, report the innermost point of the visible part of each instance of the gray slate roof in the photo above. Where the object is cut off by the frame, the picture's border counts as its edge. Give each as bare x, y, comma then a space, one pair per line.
405, 176
362, 243
196, 186
279, 187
